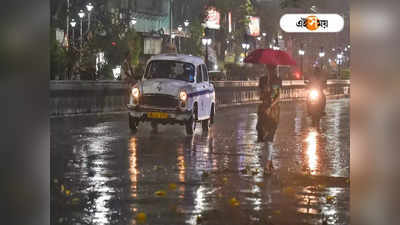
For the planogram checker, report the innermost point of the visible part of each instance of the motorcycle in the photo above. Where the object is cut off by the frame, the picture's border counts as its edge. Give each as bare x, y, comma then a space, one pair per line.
315, 104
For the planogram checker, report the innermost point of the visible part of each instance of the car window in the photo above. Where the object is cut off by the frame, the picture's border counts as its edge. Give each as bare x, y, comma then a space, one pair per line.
205, 73
199, 76
170, 70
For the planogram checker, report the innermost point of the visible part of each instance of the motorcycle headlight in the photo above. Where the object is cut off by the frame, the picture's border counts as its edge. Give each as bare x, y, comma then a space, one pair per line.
314, 95
183, 96
135, 92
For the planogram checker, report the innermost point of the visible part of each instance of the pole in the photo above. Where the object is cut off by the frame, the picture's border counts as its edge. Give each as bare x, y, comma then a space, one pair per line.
81, 44
67, 19
73, 36
302, 72
170, 20
89, 20
207, 55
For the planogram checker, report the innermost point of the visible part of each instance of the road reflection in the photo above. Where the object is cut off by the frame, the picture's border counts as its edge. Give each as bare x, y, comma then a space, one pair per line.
312, 152
121, 172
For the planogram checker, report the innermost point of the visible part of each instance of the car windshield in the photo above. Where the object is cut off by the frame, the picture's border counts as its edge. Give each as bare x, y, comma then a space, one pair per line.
170, 70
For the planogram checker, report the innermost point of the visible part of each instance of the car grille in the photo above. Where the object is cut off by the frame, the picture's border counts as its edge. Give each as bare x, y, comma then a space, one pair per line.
164, 101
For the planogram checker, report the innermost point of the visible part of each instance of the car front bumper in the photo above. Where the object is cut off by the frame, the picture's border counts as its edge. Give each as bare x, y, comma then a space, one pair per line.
174, 115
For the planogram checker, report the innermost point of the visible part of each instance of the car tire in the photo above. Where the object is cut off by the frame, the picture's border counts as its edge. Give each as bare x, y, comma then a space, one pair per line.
191, 123
212, 115
133, 123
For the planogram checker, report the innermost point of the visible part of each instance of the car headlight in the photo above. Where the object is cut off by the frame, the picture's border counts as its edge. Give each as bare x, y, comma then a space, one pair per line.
314, 95
135, 92
183, 96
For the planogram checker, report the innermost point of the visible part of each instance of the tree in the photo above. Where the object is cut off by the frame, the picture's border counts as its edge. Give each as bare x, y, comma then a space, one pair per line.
58, 57
192, 45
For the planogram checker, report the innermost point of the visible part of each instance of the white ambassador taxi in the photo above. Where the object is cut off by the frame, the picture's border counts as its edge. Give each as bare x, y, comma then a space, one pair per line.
175, 89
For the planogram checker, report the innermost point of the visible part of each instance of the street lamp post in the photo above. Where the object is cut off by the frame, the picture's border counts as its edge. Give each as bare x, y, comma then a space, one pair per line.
73, 24
266, 40
89, 8
339, 62
67, 19
180, 28
133, 21
81, 14
245, 47
321, 55
186, 23
301, 53
206, 42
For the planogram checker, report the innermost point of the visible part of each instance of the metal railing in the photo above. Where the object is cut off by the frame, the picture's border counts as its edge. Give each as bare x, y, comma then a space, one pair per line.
80, 97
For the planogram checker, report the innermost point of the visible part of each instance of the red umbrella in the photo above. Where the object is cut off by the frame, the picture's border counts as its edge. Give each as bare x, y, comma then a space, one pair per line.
270, 57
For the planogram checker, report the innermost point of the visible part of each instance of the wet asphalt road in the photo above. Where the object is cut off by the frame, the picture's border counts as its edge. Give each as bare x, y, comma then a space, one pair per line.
104, 174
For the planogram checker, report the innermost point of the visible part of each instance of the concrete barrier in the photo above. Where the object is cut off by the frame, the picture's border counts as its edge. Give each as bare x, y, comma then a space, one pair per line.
90, 97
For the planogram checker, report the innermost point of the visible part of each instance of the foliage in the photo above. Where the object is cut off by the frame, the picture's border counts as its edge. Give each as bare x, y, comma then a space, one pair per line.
243, 72
108, 34
58, 57
345, 74
192, 45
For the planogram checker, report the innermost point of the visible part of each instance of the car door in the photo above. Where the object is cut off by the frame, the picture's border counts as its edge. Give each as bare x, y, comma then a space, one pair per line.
199, 94
208, 90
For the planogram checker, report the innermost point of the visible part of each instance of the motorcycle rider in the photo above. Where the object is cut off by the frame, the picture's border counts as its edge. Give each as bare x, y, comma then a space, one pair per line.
318, 81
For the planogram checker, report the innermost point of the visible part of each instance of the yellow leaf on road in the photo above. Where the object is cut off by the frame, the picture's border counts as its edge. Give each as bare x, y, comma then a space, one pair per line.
160, 193
141, 217
172, 186
234, 202
330, 198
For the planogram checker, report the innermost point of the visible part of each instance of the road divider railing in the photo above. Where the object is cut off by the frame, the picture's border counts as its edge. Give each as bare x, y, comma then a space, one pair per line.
88, 97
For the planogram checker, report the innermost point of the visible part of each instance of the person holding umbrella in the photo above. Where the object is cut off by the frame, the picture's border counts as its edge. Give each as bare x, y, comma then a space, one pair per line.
269, 110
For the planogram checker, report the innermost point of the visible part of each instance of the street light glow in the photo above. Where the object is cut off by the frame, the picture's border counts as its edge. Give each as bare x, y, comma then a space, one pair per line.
133, 20
206, 41
259, 38
180, 28
73, 23
245, 46
301, 52
89, 6
264, 34
186, 23
81, 14
321, 54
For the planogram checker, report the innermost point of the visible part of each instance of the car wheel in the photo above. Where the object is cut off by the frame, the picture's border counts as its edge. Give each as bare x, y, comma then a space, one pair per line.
191, 124
133, 123
205, 124
212, 114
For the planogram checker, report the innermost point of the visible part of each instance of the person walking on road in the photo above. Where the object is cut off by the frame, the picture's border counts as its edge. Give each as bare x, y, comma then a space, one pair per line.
268, 112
